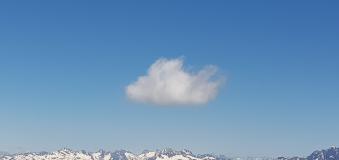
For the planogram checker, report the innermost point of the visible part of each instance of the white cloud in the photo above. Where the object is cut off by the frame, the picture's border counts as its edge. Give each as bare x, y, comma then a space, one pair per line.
168, 83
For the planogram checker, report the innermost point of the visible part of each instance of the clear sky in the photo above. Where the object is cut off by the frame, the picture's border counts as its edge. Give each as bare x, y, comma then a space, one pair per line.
64, 67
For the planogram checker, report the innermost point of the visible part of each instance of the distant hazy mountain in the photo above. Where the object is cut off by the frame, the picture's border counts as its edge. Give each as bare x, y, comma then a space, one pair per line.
166, 154
3, 153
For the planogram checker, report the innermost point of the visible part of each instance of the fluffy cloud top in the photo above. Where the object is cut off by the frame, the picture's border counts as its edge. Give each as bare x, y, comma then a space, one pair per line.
168, 83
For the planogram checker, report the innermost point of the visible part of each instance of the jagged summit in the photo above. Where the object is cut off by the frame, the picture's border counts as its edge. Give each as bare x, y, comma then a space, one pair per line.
186, 151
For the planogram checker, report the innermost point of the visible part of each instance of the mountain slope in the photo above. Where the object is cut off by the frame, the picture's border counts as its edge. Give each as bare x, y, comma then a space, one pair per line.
329, 154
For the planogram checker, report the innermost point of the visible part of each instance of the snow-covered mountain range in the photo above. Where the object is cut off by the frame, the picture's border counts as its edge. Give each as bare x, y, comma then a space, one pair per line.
166, 154
68, 154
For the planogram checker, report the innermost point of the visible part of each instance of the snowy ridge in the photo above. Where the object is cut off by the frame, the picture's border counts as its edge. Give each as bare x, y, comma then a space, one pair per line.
68, 154
166, 154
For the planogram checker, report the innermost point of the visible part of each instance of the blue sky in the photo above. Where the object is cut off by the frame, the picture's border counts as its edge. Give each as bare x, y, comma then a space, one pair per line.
64, 67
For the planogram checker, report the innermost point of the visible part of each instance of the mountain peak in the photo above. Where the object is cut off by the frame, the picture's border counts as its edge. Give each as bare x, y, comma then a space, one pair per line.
65, 150
186, 151
333, 147
331, 153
